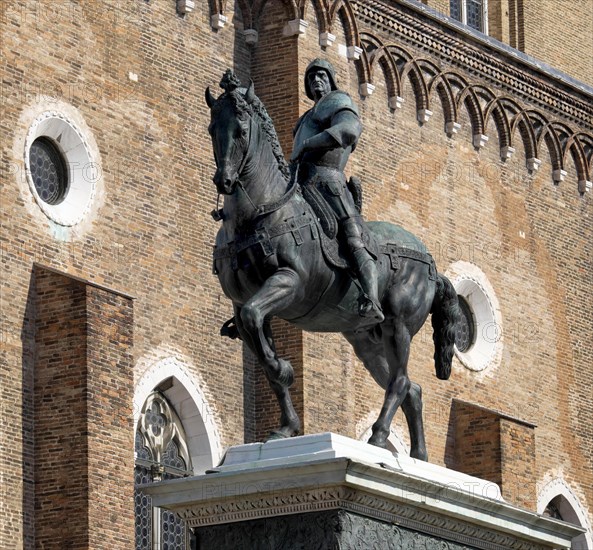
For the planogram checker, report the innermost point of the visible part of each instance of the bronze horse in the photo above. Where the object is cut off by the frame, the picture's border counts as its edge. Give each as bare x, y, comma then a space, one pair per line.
270, 262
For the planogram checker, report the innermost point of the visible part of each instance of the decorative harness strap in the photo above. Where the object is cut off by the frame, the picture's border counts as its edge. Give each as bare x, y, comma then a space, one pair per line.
396, 253
263, 236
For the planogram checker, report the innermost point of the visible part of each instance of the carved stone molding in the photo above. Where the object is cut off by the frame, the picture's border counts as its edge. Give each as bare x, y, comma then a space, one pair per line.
257, 507
331, 530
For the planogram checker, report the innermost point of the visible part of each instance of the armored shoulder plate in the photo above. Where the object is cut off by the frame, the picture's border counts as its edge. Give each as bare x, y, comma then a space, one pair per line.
333, 103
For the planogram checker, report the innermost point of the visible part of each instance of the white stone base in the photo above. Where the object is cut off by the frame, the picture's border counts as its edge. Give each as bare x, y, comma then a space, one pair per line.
311, 448
331, 472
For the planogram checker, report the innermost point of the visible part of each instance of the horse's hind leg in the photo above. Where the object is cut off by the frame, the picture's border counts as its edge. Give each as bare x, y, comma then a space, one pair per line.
412, 407
372, 355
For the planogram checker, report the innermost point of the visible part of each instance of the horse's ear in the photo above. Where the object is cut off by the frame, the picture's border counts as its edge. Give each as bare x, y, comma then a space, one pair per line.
209, 97
250, 93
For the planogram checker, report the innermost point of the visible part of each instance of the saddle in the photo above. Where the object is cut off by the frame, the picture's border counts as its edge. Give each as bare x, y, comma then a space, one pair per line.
333, 250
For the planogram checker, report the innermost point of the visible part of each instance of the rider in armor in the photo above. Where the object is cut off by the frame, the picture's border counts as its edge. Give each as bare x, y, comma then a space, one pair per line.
324, 137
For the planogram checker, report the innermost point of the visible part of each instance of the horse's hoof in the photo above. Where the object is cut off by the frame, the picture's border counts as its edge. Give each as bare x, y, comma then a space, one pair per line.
378, 441
282, 433
419, 454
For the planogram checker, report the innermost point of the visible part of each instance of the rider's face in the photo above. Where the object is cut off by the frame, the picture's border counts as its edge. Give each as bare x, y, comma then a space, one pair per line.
319, 83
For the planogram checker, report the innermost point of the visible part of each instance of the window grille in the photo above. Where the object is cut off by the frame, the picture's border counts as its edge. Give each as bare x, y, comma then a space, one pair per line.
161, 453
473, 13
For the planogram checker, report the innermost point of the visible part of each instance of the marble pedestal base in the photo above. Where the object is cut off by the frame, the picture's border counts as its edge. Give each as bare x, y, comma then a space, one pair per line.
327, 491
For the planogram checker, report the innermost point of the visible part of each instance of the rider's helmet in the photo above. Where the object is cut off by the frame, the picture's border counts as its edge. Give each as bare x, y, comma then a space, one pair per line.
327, 67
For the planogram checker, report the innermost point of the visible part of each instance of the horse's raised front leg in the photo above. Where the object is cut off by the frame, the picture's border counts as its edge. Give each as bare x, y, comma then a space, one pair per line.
396, 341
277, 293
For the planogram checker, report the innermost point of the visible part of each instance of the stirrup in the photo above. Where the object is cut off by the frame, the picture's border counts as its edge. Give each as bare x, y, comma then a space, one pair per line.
369, 309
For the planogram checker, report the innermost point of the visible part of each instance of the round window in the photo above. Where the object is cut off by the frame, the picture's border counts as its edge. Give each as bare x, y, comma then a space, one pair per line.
62, 168
48, 170
465, 335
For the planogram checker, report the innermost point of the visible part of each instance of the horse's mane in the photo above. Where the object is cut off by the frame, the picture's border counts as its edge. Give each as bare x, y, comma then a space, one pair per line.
236, 95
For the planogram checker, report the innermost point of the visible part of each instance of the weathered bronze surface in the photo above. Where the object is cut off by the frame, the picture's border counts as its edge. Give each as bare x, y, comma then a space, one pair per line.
276, 255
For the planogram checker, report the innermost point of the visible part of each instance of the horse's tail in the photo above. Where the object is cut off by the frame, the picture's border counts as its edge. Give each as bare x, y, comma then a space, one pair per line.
445, 315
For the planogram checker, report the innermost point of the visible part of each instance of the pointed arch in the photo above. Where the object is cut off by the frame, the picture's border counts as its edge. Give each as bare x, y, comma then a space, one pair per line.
188, 398
321, 12
469, 99
545, 132
446, 95
496, 110
378, 55
575, 147
586, 141
343, 10
290, 9
246, 13
390, 74
522, 122
412, 71
559, 492
455, 80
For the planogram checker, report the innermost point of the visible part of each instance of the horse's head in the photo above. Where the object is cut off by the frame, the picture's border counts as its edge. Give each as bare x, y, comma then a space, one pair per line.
230, 129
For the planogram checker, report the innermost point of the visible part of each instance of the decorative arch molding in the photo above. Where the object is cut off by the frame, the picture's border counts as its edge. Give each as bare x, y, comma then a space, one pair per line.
545, 133
559, 487
342, 10
446, 95
291, 10
189, 401
321, 11
495, 110
468, 98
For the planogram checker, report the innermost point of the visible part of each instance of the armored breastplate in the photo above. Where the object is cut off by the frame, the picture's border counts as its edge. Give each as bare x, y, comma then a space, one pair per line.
318, 119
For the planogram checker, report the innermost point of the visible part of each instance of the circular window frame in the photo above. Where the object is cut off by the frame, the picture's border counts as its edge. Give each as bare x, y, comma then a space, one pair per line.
51, 150
473, 286
83, 171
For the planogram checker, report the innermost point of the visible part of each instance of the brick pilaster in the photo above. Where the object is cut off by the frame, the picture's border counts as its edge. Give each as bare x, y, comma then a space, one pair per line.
83, 431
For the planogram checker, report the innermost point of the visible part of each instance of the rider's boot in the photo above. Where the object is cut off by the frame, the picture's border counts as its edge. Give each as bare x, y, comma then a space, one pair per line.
369, 306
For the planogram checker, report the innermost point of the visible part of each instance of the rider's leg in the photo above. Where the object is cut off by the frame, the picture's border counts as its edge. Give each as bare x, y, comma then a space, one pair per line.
366, 269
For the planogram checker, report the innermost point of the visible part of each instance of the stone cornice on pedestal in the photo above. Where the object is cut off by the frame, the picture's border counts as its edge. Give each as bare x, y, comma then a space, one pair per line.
314, 473
518, 74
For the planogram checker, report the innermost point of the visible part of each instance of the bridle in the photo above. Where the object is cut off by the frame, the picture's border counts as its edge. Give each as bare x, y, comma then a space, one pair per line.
265, 208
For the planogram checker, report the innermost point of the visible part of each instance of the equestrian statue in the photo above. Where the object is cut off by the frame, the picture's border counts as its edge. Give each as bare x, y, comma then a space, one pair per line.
294, 245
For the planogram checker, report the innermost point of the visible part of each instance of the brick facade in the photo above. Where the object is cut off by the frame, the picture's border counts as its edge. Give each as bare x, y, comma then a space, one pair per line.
135, 73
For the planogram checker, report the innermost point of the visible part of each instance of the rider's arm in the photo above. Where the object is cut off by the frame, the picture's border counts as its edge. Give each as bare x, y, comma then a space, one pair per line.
343, 132
345, 128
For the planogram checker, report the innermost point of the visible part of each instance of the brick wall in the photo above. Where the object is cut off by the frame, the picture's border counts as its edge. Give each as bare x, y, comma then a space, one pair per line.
148, 231
61, 445
557, 33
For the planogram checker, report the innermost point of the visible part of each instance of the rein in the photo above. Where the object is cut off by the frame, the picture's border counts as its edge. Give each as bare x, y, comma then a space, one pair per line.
268, 208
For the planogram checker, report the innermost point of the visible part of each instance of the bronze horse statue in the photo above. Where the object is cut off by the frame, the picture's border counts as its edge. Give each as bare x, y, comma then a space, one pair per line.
273, 259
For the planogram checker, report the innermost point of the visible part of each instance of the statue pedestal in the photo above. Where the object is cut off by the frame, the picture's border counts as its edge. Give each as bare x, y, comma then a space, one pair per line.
327, 491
